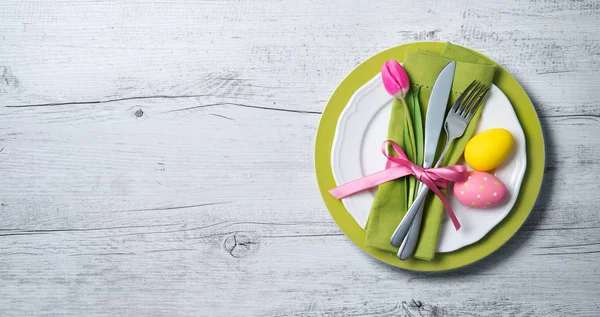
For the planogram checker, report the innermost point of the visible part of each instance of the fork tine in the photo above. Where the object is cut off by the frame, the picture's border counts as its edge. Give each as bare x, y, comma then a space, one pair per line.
468, 98
473, 100
479, 100
478, 103
459, 101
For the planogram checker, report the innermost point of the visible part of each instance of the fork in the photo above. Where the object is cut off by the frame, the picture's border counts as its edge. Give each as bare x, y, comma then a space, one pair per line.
457, 119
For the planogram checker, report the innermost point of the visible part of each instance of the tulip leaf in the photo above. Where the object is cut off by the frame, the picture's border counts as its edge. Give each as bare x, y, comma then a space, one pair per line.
413, 138
418, 126
410, 154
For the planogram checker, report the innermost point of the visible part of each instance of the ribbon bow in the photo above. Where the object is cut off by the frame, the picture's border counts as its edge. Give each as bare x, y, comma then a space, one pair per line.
400, 166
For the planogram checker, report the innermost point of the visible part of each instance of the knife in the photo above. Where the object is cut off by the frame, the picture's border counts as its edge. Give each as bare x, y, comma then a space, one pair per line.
433, 126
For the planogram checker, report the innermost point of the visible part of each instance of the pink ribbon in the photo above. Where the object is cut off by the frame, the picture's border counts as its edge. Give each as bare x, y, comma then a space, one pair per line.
400, 166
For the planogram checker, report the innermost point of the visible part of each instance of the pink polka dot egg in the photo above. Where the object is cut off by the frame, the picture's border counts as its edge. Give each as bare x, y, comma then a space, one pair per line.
480, 190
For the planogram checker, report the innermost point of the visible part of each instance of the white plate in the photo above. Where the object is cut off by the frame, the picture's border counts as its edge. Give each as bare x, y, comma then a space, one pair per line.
356, 152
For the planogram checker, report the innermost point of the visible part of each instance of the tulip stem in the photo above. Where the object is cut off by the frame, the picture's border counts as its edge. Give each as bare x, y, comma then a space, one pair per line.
411, 133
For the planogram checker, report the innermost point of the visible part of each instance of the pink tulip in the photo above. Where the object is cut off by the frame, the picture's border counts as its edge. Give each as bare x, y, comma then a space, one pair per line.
395, 79
396, 82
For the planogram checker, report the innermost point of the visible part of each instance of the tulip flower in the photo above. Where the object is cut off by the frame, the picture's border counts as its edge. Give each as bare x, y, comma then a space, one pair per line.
395, 79
397, 84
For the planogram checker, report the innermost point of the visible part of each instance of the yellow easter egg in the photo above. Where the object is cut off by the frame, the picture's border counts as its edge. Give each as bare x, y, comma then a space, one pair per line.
486, 150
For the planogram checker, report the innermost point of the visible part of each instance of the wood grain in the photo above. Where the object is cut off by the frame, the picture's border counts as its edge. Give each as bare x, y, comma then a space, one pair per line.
157, 158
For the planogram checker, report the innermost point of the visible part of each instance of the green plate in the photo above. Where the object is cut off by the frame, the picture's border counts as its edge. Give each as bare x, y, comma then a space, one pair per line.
469, 254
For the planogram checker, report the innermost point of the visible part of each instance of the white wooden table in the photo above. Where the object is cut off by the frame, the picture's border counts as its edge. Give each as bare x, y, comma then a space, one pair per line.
157, 158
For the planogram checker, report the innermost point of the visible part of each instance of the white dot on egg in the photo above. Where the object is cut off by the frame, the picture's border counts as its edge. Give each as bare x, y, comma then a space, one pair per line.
495, 194
462, 192
478, 196
485, 178
469, 177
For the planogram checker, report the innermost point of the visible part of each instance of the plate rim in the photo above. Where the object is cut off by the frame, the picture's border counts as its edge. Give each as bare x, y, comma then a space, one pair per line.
351, 110
497, 237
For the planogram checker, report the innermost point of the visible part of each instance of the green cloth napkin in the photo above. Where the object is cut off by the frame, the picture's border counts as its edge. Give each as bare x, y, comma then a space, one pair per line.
391, 201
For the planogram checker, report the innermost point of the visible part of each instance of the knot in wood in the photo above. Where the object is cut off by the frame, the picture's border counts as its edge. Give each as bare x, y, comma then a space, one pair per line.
8, 81
241, 244
139, 113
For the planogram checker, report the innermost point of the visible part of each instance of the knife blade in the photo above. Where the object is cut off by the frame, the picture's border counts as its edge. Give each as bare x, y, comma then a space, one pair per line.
434, 120
436, 111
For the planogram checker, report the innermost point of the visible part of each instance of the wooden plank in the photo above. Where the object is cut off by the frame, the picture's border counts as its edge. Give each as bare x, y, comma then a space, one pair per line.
157, 158
285, 52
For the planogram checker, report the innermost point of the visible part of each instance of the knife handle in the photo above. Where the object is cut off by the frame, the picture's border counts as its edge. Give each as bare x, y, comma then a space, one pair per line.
402, 229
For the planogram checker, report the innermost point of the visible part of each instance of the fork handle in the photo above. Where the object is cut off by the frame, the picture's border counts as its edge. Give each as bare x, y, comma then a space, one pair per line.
409, 244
